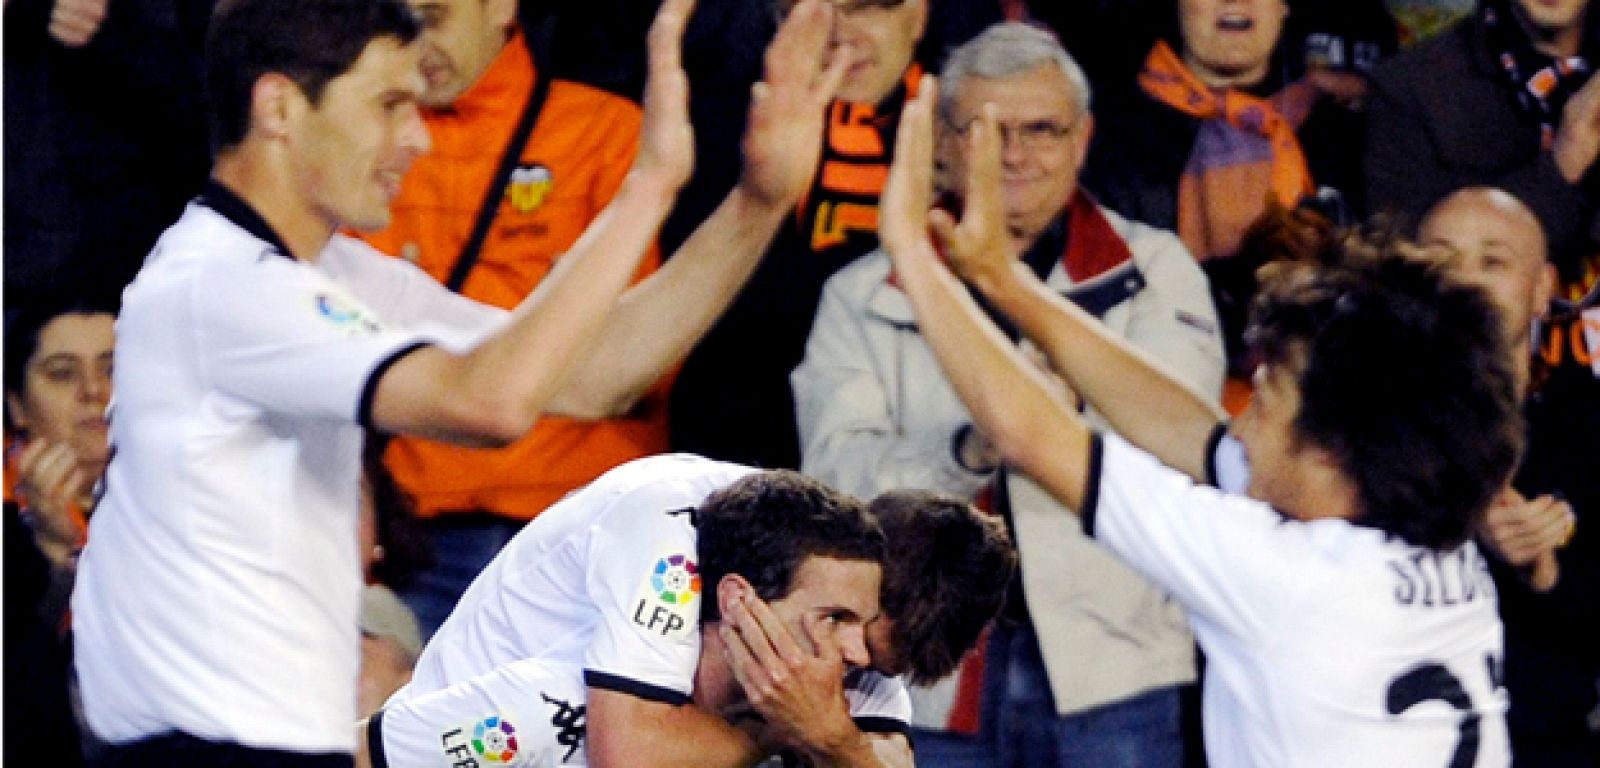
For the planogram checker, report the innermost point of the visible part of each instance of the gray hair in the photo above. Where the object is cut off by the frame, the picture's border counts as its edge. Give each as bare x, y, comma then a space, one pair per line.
1007, 49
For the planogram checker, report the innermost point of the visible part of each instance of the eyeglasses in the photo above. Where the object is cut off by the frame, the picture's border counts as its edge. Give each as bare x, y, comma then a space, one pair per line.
1031, 135
845, 7
853, 7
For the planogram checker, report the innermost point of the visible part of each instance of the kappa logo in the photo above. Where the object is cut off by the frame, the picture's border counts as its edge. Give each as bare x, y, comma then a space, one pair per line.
345, 314
692, 513
528, 187
568, 722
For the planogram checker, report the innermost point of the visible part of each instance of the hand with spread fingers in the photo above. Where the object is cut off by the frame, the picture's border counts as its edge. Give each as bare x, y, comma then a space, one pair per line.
666, 138
788, 108
799, 692
1527, 533
908, 192
977, 245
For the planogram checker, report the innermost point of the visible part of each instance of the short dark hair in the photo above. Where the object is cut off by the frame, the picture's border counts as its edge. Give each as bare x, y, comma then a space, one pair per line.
23, 327
945, 580
25, 322
309, 41
766, 524
1405, 380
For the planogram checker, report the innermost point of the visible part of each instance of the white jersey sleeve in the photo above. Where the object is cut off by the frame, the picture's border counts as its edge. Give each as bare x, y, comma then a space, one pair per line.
410, 297
528, 713
644, 580
1224, 557
878, 703
278, 334
1227, 467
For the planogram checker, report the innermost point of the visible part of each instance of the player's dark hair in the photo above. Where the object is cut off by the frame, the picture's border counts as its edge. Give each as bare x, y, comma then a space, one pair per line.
29, 320
945, 581
1405, 380
765, 525
309, 41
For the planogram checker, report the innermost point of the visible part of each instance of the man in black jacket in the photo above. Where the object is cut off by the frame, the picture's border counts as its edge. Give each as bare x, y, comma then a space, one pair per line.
1501, 100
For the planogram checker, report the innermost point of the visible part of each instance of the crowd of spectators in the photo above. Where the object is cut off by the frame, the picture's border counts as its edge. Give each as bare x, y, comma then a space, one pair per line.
1155, 154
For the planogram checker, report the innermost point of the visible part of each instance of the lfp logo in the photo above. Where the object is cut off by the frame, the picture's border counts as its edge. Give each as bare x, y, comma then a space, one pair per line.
676, 580
495, 740
344, 314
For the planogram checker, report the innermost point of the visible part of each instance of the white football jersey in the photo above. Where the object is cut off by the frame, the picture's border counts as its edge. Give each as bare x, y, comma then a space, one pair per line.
220, 589
1327, 643
600, 590
533, 712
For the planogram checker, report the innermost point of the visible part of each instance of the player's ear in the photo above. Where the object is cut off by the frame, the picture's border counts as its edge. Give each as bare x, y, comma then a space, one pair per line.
273, 102
731, 588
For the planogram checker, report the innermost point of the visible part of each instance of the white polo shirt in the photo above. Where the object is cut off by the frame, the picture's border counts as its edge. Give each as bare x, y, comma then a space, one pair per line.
219, 594
1327, 643
605, 582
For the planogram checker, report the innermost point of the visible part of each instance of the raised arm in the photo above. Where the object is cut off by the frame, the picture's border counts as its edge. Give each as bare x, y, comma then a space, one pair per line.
1141, 401
1137, 396
493, 394
1007, 397
658, 321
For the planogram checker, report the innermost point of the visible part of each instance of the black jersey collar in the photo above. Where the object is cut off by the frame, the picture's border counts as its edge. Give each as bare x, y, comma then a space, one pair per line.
234, 208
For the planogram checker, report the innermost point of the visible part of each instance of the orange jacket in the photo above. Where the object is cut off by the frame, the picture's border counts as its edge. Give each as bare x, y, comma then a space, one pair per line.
579, 152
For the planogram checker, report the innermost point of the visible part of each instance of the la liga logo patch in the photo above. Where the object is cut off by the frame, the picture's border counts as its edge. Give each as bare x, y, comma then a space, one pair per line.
345, 314
676, 579
494, 739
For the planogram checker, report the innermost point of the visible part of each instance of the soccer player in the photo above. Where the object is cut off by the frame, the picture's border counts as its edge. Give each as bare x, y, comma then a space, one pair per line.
1346, 615
215, 616
590, 632
614, 583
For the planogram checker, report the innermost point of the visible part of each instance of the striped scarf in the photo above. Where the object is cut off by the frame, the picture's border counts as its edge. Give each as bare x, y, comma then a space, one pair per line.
1245, 155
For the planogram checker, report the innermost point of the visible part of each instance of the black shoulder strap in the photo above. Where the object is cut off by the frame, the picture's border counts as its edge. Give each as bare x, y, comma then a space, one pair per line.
508, 162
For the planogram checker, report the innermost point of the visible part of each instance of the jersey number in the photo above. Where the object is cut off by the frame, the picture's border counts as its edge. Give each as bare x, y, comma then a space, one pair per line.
1432, 681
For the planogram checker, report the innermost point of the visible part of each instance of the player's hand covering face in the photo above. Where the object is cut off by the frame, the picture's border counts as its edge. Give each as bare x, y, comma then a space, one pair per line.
798, 693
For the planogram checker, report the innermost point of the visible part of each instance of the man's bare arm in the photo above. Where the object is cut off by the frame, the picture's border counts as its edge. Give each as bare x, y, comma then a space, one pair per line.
658, 321
493, 394
1007, 397
1138, 398
626, 731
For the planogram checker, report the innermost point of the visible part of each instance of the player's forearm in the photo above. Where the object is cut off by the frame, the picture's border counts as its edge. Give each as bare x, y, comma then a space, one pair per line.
1007, 397
527, 363
866, 750
1142, 402
657, 322
631, 734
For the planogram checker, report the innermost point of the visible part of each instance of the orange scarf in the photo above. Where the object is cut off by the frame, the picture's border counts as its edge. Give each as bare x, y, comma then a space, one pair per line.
1245, 154
859, 144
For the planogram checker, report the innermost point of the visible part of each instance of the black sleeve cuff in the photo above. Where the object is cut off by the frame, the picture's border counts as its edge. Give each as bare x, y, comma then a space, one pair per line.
883, 725
375, 740
1212, 443
369, 391
1091, 483
632, 687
